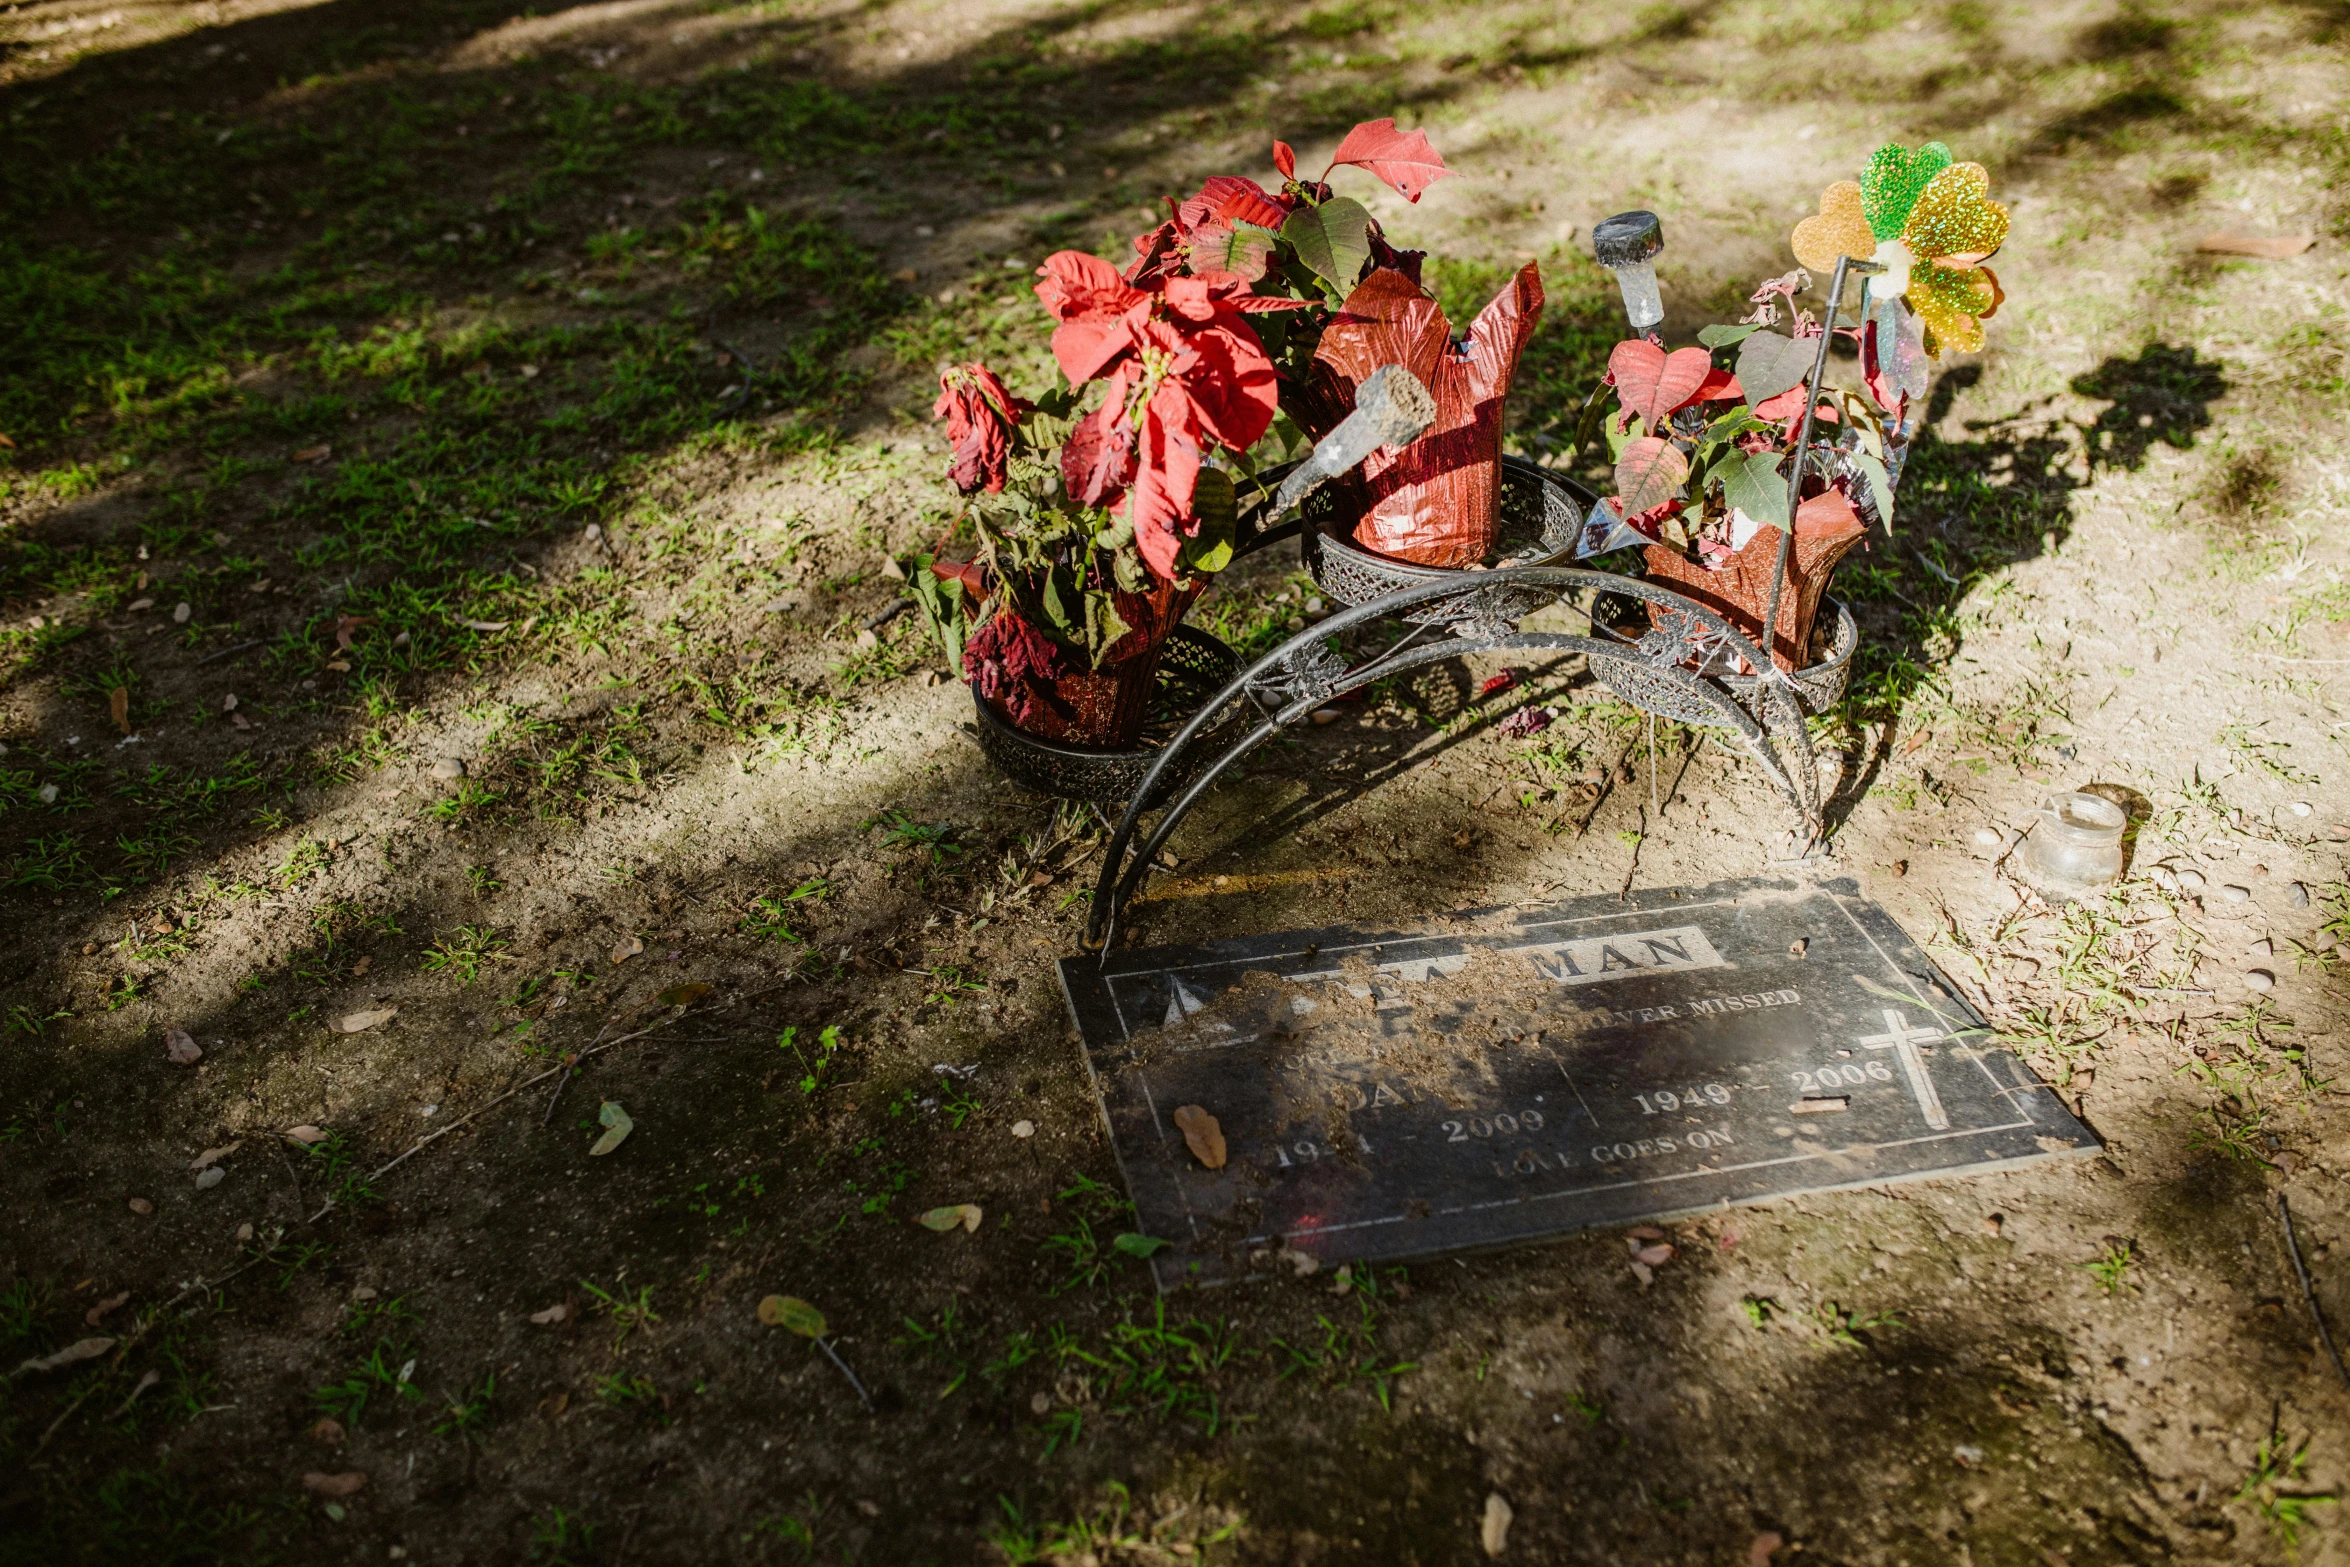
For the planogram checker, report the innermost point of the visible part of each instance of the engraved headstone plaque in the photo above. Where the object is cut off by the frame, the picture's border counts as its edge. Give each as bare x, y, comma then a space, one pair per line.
1498, 1077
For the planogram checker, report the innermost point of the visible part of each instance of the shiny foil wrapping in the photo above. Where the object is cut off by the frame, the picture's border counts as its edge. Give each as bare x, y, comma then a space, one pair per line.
1434, 502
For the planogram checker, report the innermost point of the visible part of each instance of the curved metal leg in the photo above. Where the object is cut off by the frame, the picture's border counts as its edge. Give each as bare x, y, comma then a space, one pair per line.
1289, 683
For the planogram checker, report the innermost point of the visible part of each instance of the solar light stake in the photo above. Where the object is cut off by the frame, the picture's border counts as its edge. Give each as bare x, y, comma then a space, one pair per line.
1627, 245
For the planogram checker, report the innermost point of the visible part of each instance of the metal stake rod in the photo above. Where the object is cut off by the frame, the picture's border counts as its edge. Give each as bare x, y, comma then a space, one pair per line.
1811, 403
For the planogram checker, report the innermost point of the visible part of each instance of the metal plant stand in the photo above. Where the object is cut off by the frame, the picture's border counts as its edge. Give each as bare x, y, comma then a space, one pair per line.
1687, 664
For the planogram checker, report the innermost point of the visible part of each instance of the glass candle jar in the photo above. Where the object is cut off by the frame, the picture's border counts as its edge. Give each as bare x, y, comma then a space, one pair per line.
2075, 845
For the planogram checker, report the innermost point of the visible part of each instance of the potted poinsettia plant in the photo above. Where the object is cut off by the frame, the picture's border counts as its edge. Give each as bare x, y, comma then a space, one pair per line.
1104, 504
1701, 440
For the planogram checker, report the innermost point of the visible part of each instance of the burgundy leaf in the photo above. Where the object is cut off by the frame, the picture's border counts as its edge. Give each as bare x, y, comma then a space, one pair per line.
1402, 159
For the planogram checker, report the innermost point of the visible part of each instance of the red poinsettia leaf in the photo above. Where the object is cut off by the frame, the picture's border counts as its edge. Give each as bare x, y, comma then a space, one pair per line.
1097, 461
1227, 394
1827, 515
1228, 199
1164, 483
1719, 386
1076, 286
1285, 159
1087, 348
1787, 405
967, 572
1402, 159
1651, 382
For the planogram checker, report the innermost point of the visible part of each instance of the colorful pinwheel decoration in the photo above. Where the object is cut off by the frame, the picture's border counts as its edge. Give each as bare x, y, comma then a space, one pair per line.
1931, 224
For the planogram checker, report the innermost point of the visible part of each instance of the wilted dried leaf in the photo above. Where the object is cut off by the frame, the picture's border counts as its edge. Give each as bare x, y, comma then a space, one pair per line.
628, 948
306, 1134
313, 454
180, 1047
966, 1214
1202, 1135
207, 1179
361, 1022
681, 995
553, 1314
334, 1485
212, 1156
327, 1433
141, 1206
1655, 1256
789, 1311
617, 1127
72, 1355
1762, 1547
97, 1313
118, 703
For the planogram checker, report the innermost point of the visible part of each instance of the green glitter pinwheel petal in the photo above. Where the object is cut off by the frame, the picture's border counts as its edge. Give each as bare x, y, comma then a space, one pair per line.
1956, 218
1894, 180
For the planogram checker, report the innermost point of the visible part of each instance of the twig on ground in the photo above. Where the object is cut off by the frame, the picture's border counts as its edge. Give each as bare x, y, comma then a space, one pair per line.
130, 1341
2293, 1246
231, 652
887, 613
432, 1137
846, 1372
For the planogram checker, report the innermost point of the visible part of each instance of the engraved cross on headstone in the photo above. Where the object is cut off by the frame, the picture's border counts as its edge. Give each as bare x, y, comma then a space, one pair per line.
1903, 1041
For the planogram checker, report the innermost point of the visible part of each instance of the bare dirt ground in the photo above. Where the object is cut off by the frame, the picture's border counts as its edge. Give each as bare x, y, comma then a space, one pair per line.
544, 394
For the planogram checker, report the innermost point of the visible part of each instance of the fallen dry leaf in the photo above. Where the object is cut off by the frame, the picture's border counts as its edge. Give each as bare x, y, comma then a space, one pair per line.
555, 1403
334, 1485
321, 453
1201, 1135
72, 1355
1645, 1232
1493, 1531
630, 947
207, 1179
789, 1311
346, 624
118, 703
327, 1433
617, 1126
1644, 1273
553, 1314
1655, 1256
97, 1313
2268, 247
1760, 1550
361, 1022
683, 995
212, 1156
966, 1214
142, 1206
180, 1047
306, 1134
500, 625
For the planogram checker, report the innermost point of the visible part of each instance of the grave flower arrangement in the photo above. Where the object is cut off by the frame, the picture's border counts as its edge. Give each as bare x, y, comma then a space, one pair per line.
1701, 440
1104, 505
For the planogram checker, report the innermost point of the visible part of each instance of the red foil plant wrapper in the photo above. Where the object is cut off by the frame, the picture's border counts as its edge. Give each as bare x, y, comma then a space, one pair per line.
1102, 507
1437, 501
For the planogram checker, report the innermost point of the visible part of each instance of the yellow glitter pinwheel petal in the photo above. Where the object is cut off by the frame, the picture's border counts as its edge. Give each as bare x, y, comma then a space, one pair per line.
1952, 302
1894, 180
1838, 229
1955, 219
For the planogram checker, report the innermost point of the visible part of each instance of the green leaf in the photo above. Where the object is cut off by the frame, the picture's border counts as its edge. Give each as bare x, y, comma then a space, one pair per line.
1333, 240
941, 600
789, 1311
1730, 426
1880, 486
1722, 335
1134, 1245
1756, 487
1215, 504
1244, 248
617, 1127
1650, 472
1770, 363
1594, 413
